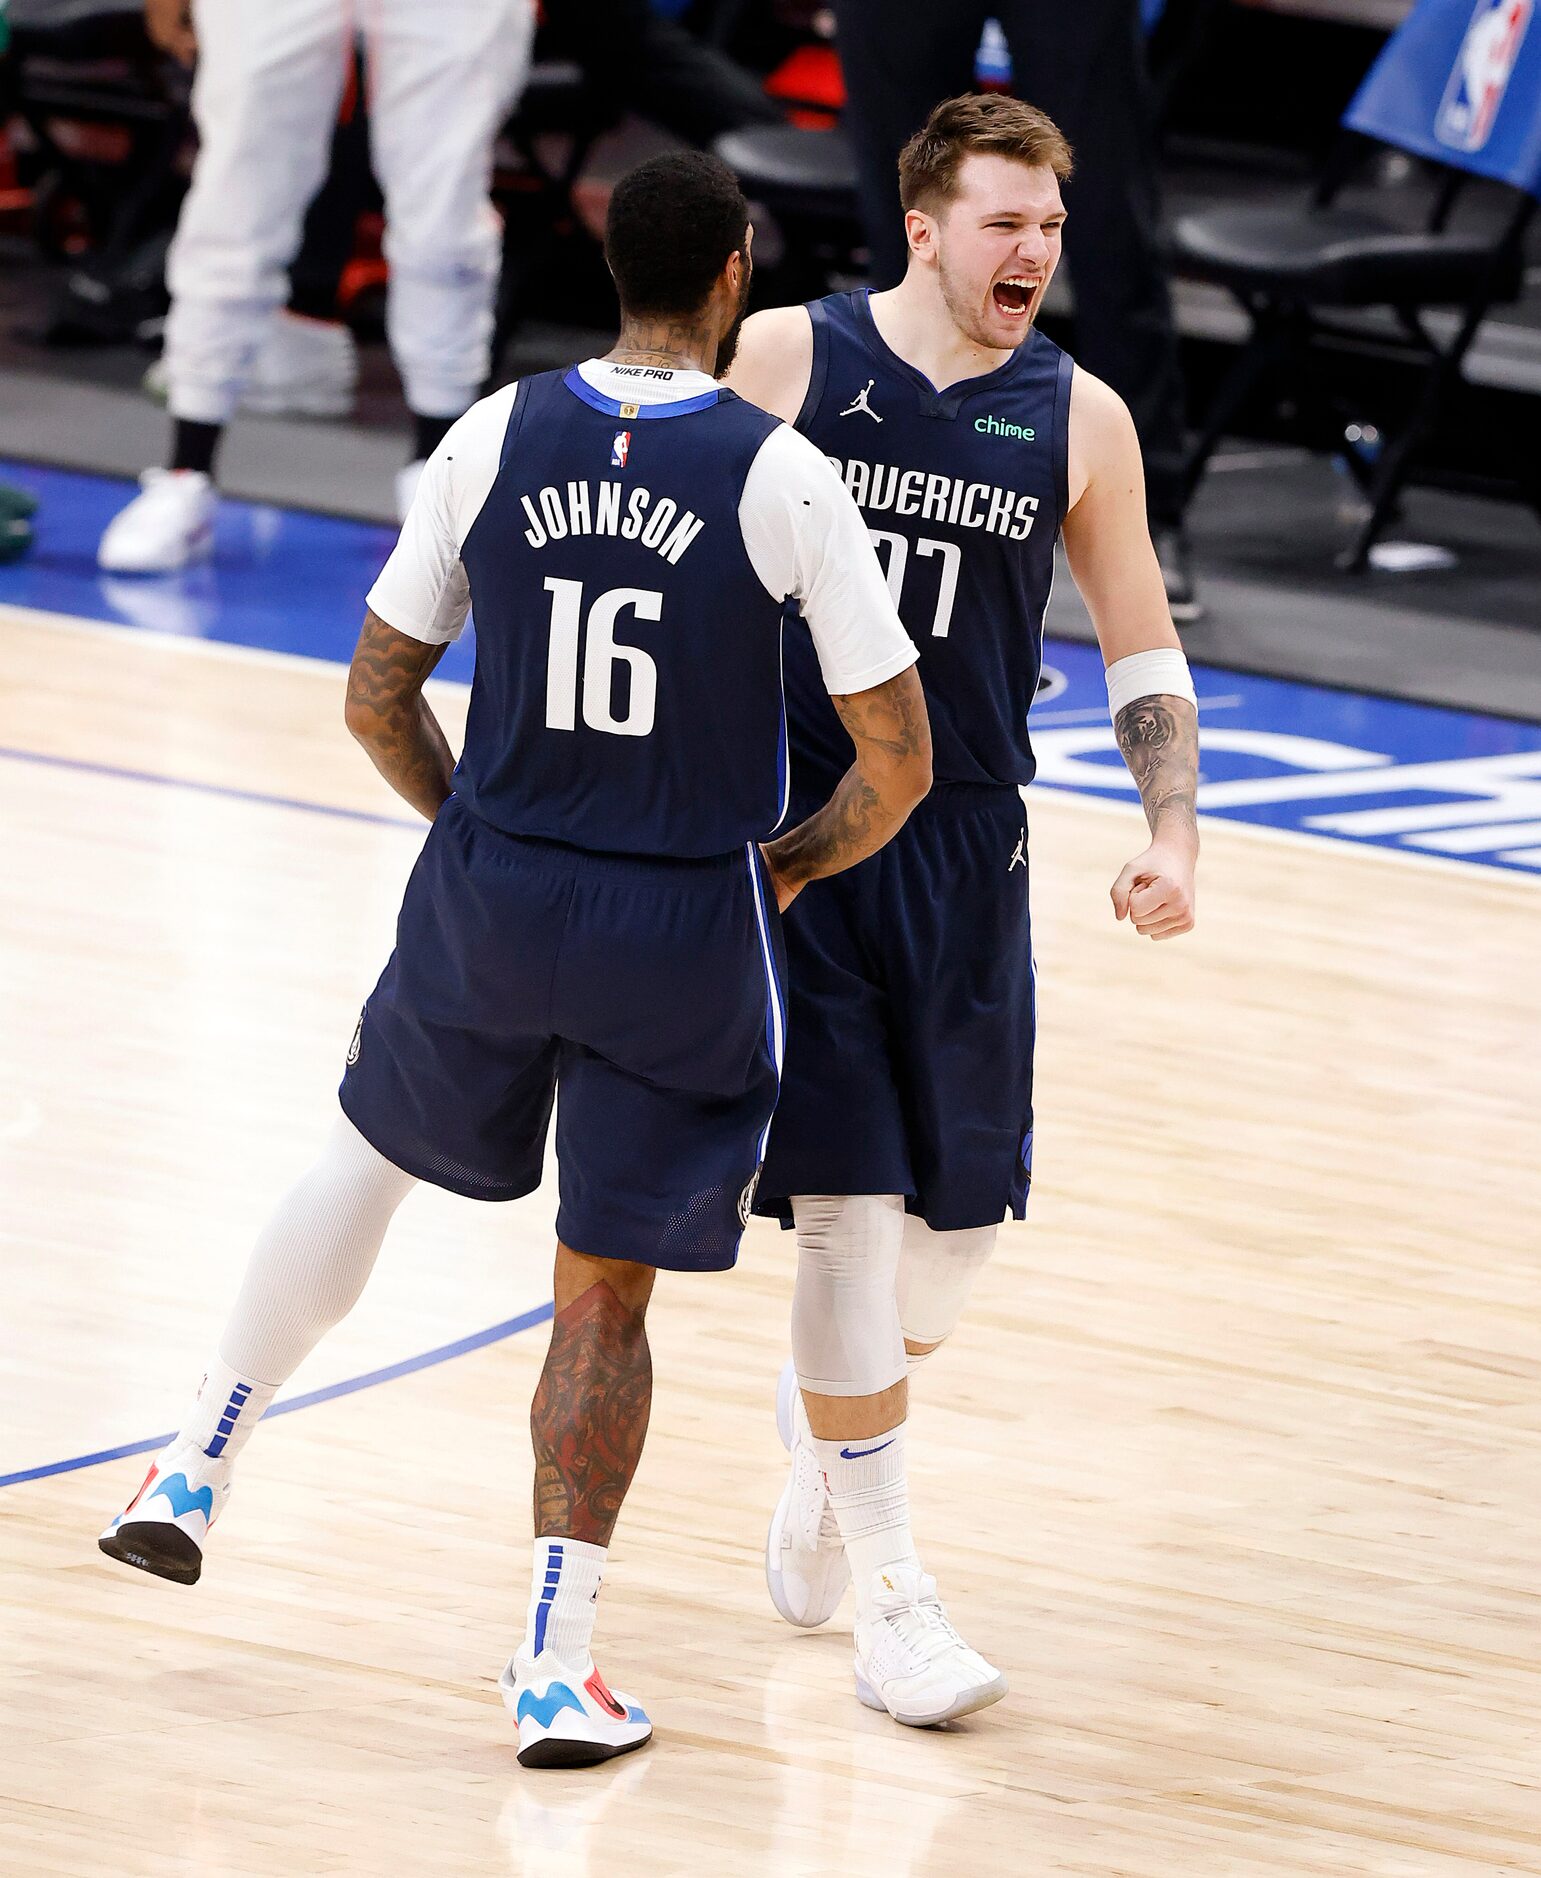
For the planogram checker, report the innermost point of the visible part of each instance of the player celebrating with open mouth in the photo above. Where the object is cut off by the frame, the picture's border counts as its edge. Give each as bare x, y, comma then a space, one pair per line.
905, 1126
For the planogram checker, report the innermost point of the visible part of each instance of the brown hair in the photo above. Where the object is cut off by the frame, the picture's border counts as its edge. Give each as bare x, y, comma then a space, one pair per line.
985, 123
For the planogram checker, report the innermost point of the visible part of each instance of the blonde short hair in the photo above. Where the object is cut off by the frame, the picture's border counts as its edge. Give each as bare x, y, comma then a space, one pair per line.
985, 123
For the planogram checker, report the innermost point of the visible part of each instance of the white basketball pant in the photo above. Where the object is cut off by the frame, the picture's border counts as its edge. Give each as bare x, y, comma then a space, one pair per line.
441, 79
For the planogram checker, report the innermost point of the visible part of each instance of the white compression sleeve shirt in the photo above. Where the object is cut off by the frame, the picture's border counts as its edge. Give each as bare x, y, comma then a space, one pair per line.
802, 532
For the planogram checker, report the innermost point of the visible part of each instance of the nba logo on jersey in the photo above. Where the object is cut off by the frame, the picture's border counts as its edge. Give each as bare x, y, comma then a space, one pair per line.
620, 449
1483, 66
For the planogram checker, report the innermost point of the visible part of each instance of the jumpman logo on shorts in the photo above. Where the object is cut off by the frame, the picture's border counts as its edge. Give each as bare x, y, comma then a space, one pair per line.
859, 403
1019, 858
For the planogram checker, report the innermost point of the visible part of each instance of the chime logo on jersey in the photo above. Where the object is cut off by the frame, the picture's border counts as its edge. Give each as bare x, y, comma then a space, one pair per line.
620, 449
1483, 68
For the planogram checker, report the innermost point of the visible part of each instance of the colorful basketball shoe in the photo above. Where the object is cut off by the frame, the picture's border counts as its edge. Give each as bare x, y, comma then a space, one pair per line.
162, 1529
909, 1659
566, 1715
806, 1569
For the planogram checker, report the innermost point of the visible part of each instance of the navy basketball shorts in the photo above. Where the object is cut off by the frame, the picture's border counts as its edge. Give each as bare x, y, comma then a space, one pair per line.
643, 993
909, 1062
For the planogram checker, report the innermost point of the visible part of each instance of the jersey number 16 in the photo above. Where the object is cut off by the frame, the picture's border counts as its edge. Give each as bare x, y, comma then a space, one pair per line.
601, 655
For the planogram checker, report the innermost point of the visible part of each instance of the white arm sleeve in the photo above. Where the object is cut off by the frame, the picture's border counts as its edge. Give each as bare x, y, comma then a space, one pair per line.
422, 590
805, 537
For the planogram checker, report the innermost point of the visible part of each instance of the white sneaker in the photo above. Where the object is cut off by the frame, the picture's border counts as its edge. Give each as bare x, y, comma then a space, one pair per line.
566, 1715
806, 1570
303, 368
167, 525
407, 480
163, 1528
909, 1659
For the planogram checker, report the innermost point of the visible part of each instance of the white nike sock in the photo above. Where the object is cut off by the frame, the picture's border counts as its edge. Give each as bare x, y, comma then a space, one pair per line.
868, 1490
310, 1262
565, 1577
227, 1408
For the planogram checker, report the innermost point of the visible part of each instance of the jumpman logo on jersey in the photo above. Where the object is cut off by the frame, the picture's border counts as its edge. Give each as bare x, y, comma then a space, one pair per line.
859, 403
1019, 859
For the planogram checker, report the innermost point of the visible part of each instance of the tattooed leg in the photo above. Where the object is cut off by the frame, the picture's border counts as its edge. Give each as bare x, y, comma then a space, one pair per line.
589, 1417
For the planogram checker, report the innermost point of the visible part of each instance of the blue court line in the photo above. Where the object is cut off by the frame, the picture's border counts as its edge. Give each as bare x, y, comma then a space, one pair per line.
208, 789
463, 1346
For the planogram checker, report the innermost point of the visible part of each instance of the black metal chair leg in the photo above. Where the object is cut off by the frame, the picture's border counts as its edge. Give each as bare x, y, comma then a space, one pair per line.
1396, 459
1268, 344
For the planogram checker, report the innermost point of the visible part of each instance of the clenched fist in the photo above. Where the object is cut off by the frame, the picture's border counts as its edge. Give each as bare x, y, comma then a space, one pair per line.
1155, 891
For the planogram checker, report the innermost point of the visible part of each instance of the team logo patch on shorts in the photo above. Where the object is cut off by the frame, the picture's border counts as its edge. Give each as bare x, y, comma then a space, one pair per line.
746, 1198
358, 1038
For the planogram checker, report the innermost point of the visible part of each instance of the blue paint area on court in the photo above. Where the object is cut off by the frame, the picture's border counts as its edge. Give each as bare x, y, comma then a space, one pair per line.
1362, 769
280, 579
1357, 768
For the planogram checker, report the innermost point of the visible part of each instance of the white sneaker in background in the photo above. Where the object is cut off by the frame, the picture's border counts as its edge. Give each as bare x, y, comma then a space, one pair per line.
909, 1659
303, 368
407, 480
167, 525
163, 1528
806, 1570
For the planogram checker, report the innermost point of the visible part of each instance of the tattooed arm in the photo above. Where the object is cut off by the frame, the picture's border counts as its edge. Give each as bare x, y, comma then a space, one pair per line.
1107, 542
388, 715
892, 771
1159, 738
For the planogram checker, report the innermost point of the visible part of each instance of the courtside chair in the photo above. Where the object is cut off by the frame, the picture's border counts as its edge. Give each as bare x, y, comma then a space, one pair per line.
807, 179
1457, 86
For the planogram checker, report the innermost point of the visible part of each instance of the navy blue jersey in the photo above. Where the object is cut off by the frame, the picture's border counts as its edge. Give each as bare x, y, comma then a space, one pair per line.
628, 657
964, 492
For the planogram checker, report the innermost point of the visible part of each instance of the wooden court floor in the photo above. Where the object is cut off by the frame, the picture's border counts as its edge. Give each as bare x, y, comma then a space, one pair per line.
1235, 1466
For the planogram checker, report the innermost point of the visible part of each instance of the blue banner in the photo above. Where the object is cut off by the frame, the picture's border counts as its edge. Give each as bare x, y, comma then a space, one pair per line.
1461, 84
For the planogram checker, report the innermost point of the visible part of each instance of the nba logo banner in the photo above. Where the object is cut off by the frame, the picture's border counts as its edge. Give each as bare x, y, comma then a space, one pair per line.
620, 449
1483, 68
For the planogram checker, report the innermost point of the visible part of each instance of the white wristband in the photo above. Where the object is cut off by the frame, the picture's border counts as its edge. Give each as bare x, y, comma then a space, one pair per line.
1160, 673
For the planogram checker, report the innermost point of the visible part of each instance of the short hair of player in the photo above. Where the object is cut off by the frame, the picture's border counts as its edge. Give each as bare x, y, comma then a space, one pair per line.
981, 123
673, 223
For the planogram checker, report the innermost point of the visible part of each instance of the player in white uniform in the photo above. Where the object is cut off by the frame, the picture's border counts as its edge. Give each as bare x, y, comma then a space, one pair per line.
270, 77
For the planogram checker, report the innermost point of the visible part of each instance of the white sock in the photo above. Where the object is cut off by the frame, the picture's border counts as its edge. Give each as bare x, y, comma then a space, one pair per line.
565, 1577
868, 1490
310, 1262
227, 1408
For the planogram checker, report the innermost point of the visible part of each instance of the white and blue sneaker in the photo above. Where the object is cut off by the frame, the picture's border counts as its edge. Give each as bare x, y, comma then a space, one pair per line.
910, 1662
162, 1529
806, 1569
566, 1715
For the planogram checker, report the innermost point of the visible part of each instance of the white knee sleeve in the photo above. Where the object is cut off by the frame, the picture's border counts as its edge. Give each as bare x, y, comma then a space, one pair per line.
313, 1256
936, 1273
846, 1338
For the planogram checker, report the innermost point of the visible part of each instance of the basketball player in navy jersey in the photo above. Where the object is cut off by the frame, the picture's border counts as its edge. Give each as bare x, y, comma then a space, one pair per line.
592, 910
905, 1128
